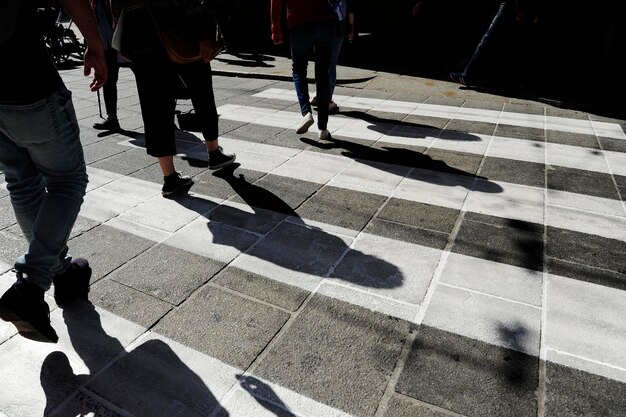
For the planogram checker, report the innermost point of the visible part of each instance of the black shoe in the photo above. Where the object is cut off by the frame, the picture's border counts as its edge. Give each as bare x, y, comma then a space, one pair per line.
174, 183
218, 159
23, 305
108, 124
73, 283
458, 77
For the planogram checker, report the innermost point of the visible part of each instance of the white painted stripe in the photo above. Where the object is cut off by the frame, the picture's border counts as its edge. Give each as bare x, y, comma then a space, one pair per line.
563, 124
501, 147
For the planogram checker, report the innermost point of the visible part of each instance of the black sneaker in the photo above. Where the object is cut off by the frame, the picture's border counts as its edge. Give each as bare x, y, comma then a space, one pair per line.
174, 183
73, 283
23, 305
218, 159
108, 124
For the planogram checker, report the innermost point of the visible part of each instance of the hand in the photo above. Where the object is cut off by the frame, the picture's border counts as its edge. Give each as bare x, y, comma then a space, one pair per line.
277, 37
207, 50
94, 59
415, 10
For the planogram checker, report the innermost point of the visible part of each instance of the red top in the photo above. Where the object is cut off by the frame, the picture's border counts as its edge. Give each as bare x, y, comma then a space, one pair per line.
298, 11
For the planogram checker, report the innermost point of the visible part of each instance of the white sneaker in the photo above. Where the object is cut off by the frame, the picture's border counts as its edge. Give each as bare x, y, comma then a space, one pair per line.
305, 124
333, 107
323, 134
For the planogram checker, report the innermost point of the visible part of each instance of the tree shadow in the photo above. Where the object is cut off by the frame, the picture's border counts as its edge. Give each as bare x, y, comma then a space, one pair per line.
388, 158
146, 381
408, 129
290, 244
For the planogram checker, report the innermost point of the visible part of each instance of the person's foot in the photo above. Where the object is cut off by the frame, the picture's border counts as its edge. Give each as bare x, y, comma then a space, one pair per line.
23, 306
323, 134
305, 124
174, 183
314, 101
333, 107
458, 77
107, 124
218, 159
73, 283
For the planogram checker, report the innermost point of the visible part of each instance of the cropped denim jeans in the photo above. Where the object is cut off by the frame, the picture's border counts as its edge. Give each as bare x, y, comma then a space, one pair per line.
316, 36
44, 167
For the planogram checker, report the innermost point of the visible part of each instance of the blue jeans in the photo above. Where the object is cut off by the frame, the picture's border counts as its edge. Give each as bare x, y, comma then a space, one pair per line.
332, 71
317, 36
43, 164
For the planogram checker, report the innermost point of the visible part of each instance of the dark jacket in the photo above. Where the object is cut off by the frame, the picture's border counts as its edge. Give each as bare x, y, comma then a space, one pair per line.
192, 19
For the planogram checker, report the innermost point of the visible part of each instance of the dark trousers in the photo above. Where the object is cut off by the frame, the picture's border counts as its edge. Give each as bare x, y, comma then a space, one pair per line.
109, 89
157, 79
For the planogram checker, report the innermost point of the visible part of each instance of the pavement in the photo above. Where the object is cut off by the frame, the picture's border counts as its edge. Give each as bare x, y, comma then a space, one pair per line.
447, 253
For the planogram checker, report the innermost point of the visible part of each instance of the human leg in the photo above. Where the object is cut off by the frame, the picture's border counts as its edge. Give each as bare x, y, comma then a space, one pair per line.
198, 77
109, 91
42, 159
324, 37
477, 59
155, 78
332, 69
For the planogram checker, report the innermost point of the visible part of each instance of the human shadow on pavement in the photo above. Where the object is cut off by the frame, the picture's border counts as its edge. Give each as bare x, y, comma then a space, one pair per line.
147, 381
291, 244
251, 60
388, 159
264, 395
408, 129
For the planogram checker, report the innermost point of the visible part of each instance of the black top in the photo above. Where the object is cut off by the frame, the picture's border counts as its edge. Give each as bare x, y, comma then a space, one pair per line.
27, 73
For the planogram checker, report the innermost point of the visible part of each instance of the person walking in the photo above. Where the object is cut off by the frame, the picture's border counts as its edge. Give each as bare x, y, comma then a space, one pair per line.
157, 75
42, 161
313, 27
102, 10
346, 32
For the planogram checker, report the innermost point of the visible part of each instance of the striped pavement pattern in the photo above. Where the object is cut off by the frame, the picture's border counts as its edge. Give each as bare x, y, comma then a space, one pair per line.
472, 233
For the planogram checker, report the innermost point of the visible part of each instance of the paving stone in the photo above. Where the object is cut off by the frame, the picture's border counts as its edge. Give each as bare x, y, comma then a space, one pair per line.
471, 127
400, 406
488, 319
361, 148
525, 108
585, 249
517, 172
284, 193
396, 156
572, 139
469, 377
425, 121
452, 162
424, 216
167, 273
102, 150
582, 182
338, 354
518, 132
83, 404
8, 215
614, 145
300, 248
153, 380
225, 326
255, 133
220, 184
287, 139
585, 320
561, 112
620, 180
128, 303
262, 288
107, 249
341, 207
501, 244
227, 126
484, 104
126, 162
573, 393
11, 246
406, 233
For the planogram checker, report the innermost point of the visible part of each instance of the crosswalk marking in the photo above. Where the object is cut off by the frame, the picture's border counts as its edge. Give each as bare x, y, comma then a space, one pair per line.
563, 124
566, 156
